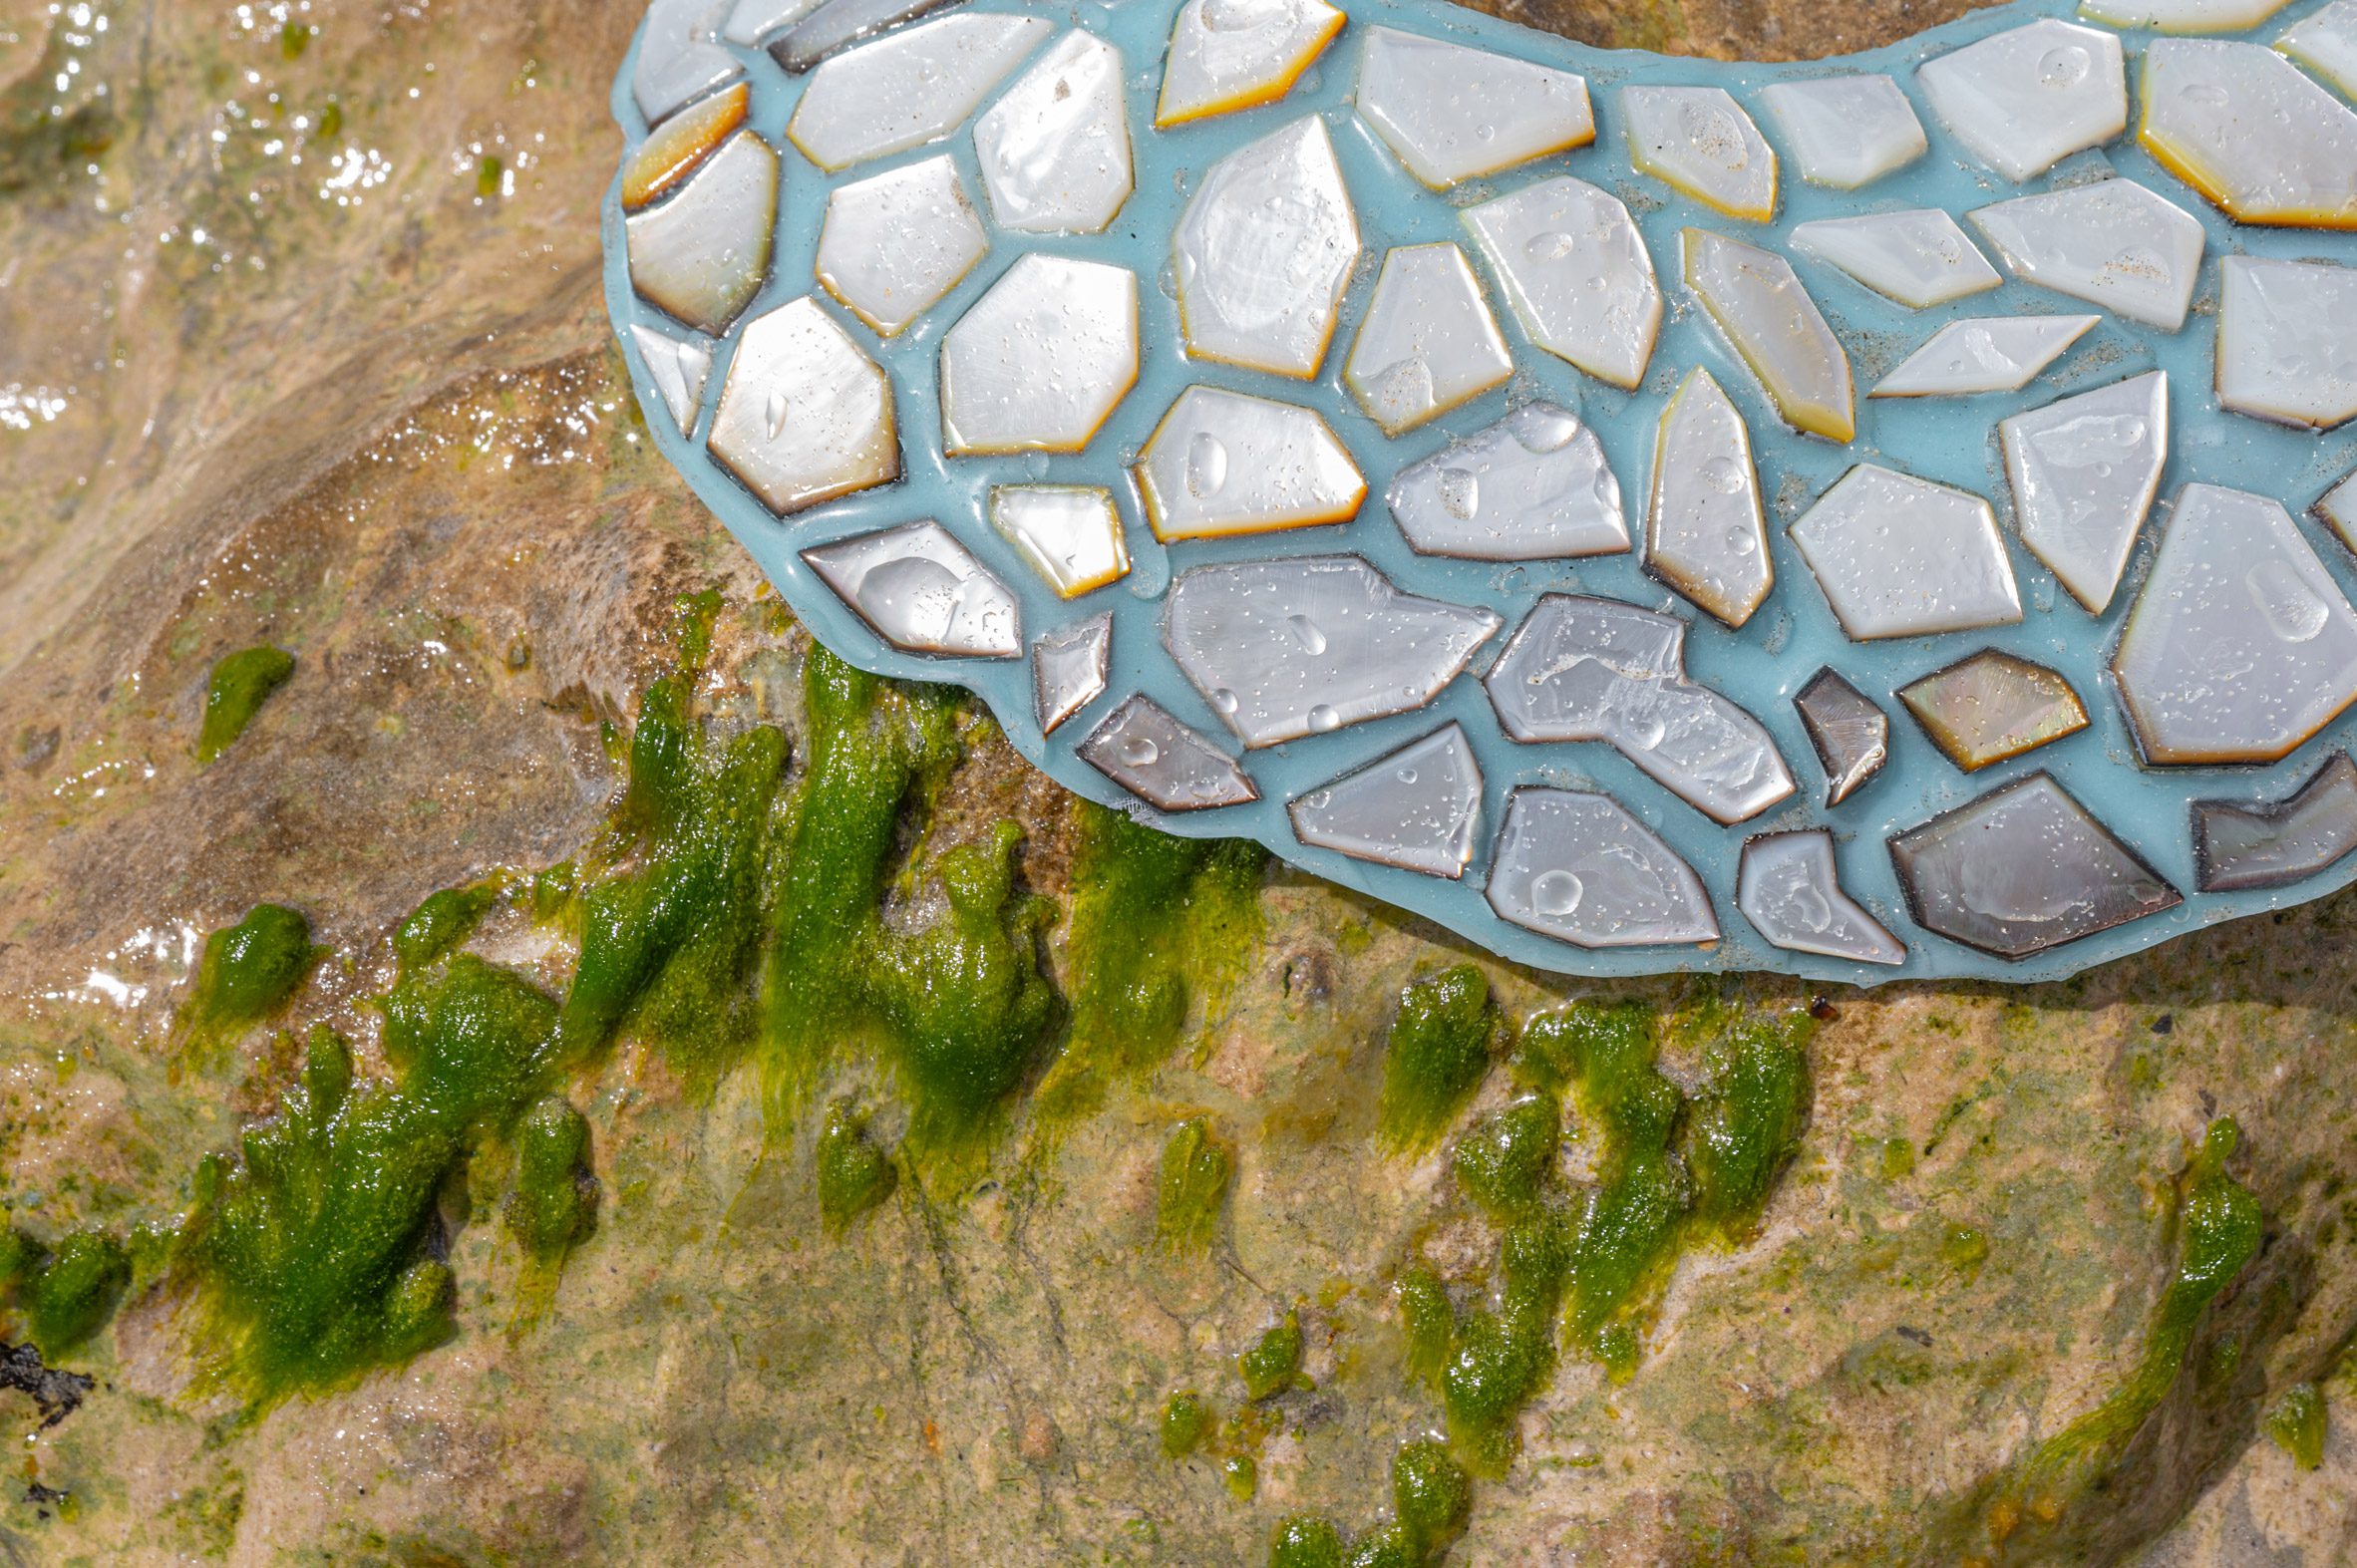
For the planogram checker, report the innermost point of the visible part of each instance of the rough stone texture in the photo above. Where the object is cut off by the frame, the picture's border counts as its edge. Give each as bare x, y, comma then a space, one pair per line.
390, 437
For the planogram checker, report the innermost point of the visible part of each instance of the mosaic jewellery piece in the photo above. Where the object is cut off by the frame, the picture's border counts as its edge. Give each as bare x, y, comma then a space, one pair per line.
1886, 517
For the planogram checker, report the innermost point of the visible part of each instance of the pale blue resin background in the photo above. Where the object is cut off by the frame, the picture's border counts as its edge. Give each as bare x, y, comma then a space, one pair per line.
1760, 666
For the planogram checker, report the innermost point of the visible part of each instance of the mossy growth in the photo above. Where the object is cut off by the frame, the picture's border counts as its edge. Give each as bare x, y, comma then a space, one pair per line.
1187, 1423
1427, 1320
1239, 1473
1504, 1161
2297, 1424
671, 902
1190, 1187
1391, 1546
242, 682
61, 1294
442, 921
1273, 1364
555, 1204
1431, 1497
853, 1176
1160, 927
246, 974
1440, 1048
1747, 1122
2218, 1226
1304, 1540
314, 1250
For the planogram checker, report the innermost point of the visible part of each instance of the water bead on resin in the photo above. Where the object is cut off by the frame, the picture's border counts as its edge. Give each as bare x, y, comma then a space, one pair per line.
1492, 473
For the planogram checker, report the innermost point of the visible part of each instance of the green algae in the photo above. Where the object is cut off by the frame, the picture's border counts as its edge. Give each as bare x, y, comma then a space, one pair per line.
1273, 1364
246, 974
555, 1204
314, 1250
1504, 1163
442, 921
853, 1176
61, 1295
1431, 1497
1189, 1187
2218, 1225
1426, 1319
1388, 1546
1240, 1474
240, 683
1187, 1421
1438, 1052
1747, 1123
1305, 1541
1160, 926
2297, 1424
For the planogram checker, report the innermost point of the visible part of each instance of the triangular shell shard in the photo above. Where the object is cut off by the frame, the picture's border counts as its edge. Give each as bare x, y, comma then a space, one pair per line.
1286, 419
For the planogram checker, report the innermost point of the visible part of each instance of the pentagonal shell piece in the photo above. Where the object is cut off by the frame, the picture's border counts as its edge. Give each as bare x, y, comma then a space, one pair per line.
1578, 867
804, 414
2023, 100
1899, 556
1264, 250
895, 243
1699, 141
704, 254
1221, 462
1427, 342
2287, 340
1040, 361
1576, 274
1705, 535
1055, 148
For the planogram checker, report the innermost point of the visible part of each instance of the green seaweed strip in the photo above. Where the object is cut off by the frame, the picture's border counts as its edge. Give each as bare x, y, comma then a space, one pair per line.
1190, 1187
246, 974
1438, 1052
242, 682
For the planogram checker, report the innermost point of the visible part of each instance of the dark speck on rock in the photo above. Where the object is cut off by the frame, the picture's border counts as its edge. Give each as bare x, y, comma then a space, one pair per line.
2165, 1024
1914, 1336
57, 1393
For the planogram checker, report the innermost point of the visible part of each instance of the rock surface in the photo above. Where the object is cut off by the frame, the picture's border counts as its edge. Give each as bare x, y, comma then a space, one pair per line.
303, 346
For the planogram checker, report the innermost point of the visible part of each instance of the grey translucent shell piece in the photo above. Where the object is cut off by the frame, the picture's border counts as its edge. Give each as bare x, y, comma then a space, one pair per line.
679, 369
1852, 735
1788, 889
1534, 486
921, 591
1069, 668
2024, 868
1584, 669
1578, 867
1281, 649
2273, 845
1417, 809
822, 32
1160, 761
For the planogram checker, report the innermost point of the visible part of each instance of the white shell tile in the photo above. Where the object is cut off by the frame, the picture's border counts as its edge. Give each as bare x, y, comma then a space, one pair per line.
896, 242
1574, 270
1983, 354
1040, 360
1918, 257
2023, 100
2240, 646
1055, 148
2338, 506
678, 59
1427, 342
2112, 243
1071, 534
1844, 132
1788, 889
1228, 55
922, 592
1451, 114
1160, 761
909, 87
1069, 669
1758, 304
1705, 535
702, 256
2024, 868
1535, 485
804, 415
1417, 809
1850, 735
679, 369
751, 21
2181, 16
1589, 669
1899, 556
1699, 141
2240, 124
2237, 846
2287, 340
834, 24
672, 150
2326, 43
1302, 646
1578, 867
1223, 463
2084, 471
1263, 251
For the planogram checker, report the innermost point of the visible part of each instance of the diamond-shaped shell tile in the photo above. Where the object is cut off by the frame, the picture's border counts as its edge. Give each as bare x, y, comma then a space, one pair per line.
1983, 354
1451, 114
1070, 667
679, 369
1851, 737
